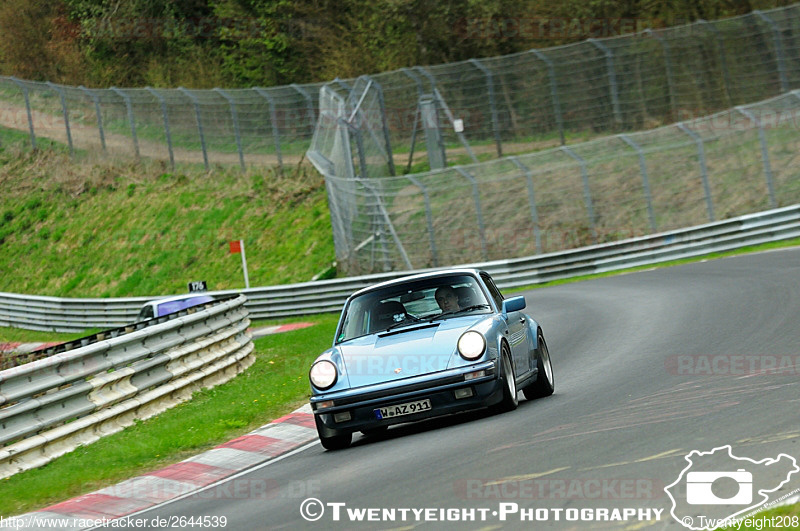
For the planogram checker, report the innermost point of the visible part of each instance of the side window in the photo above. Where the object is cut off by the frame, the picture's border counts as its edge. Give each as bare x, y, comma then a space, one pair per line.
493, 291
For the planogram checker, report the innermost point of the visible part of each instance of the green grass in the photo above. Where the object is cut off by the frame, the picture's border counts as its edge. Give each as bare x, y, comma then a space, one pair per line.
23, 141
274, 385
20, 335
117, 230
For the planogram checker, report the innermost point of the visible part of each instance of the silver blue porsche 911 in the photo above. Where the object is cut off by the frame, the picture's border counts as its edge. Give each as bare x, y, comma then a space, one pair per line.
422, 346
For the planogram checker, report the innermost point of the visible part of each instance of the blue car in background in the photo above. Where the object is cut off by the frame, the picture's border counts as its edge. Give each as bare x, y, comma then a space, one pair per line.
167, 305
422, 346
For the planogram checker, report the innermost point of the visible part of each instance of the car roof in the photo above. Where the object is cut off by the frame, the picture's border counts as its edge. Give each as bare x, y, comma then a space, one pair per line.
419, 276
181, 297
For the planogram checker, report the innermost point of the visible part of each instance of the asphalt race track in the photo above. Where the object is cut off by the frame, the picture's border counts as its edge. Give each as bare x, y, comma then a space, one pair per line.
648, 366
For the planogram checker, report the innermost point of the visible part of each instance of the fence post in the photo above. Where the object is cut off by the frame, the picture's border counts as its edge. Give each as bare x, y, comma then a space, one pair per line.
235, 117
701, 154
612, 78
129, 107
459, 134
551, 73
531, 200
720, 43
492, 104
312, 119
780, 58
389, 153
428, 218
65, 111
24, 90
196, 104
437, 156
165, 117
415, 78
668, 68
764, 154
99, 115
387, 145
273, 117
587, 192
645, 181
476, 196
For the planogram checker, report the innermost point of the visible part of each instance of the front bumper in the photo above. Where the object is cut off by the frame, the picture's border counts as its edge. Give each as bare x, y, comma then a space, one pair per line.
354, 409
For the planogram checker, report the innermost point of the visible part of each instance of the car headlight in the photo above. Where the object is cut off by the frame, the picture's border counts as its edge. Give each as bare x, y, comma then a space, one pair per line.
323, 374
471, 345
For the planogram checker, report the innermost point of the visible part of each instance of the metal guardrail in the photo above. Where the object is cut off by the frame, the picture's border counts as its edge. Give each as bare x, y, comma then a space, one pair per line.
92, 387
326, 296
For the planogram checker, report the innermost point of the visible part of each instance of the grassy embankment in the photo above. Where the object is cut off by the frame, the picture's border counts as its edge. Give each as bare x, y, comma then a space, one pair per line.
116, 230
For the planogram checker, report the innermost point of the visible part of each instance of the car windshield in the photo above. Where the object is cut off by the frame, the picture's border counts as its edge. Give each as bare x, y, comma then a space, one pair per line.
411, 302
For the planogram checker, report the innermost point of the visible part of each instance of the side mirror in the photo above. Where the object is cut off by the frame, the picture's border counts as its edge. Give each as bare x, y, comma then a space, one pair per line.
514, 304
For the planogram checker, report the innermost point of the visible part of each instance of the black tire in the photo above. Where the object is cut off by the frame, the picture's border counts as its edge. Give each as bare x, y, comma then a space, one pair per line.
510, 400
545, 382
332, 442
337, 442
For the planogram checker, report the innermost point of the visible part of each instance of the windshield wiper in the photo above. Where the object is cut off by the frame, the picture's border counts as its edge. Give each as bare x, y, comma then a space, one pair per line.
456, 312
473, 307
407, 321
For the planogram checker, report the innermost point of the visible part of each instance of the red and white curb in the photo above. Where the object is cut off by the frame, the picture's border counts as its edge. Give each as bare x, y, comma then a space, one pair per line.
268, 442
24, 348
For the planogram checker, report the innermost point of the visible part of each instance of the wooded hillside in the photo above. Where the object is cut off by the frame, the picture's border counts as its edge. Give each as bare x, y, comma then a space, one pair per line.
242, 43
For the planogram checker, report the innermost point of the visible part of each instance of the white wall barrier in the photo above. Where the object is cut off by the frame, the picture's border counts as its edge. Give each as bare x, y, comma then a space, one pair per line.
96, 386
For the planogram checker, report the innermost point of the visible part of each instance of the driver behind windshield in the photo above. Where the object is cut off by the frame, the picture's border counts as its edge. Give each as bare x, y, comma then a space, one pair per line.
447, 299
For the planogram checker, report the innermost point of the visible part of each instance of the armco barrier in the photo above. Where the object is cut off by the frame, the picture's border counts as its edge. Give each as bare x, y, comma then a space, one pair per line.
325, 296
52, 405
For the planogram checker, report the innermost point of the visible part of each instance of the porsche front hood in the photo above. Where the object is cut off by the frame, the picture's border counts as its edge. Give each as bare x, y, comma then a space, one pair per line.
399, 354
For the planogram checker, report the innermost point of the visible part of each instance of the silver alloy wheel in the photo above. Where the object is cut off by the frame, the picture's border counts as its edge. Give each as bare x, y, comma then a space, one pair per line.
548, 367
508, 374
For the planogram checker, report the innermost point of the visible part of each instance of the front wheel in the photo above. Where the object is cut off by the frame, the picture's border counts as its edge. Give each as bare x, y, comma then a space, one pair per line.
509, 401
332, 442
545, 382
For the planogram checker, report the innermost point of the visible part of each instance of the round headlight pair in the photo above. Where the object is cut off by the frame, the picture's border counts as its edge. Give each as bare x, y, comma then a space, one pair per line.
471, 345
323, 374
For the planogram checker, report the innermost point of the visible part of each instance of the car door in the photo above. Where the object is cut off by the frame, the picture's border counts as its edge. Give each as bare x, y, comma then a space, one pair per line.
517, 330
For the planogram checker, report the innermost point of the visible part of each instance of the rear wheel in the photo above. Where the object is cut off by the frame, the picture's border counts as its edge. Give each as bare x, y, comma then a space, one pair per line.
509, 401
545, 383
